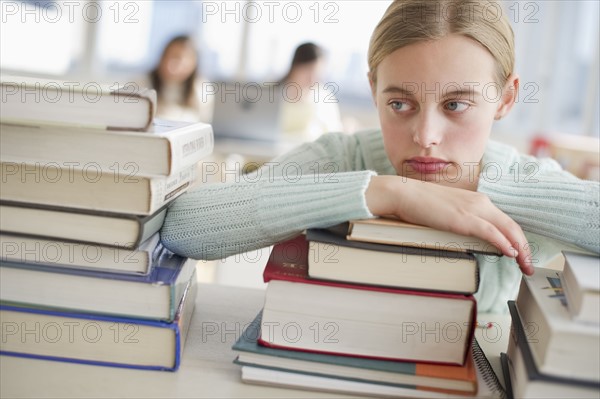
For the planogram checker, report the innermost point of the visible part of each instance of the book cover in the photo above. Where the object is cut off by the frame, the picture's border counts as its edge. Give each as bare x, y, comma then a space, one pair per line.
396, 232
154, 296
520, 358
38, 101
168, 147
72, 224
98, 340
581, 277
333, 257
559, 346
95, 191
456, 379
363, 317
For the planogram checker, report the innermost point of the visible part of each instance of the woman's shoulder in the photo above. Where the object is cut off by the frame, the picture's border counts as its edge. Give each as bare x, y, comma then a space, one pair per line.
507, 157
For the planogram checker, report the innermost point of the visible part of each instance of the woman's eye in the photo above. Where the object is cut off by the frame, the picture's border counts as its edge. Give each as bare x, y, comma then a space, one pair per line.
399, 105
457, 106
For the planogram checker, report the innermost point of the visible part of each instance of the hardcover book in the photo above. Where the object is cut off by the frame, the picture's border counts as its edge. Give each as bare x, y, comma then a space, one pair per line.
106, 192
167, 147
37, 101
360, 320
527, 380
559, 346
60, 223
154, 296
98, 340
76, 255
396, 232
333, 257
421, 376
581, 278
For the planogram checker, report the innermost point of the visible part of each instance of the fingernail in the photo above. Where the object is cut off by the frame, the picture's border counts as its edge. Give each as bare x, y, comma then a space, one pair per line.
514, 251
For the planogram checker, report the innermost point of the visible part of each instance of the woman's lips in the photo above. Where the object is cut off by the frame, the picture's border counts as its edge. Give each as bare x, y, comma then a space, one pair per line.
427, 165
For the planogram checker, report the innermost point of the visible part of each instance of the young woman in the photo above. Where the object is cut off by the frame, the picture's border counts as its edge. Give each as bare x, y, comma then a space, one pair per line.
440, 73
312, 109
177, 83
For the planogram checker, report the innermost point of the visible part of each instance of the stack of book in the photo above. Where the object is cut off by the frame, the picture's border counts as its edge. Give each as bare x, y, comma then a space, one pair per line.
554, 346
87, 174
359, 309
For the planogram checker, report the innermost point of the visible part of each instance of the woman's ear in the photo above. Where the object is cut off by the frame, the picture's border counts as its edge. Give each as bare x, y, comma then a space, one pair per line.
510, 93
373, 86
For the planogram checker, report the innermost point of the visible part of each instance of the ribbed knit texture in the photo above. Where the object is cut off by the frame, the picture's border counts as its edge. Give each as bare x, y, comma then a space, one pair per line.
323, 183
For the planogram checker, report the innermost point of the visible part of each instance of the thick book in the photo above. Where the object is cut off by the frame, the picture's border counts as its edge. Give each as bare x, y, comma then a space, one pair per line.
527, 380
581, 283
396, 232
360, 320
106, 192
154, 296
487, 382
420, 376
37, 101
98, 340
333, 257
168, 146
559, 346
60, 223
77, 255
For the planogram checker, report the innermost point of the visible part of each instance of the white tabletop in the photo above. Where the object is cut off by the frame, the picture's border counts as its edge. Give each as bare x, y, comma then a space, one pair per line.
206, 370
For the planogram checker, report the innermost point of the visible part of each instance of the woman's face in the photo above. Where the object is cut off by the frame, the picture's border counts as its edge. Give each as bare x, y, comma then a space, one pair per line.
178, 62
436, 102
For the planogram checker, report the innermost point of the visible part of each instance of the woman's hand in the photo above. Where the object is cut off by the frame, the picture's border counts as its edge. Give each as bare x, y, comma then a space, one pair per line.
452, 209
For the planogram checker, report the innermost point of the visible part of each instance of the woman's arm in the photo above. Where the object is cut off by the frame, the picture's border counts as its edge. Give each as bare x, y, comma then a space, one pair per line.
312, 186
543, 198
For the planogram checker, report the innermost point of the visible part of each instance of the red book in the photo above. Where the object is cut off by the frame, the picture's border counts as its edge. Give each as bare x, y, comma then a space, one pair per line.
360, 320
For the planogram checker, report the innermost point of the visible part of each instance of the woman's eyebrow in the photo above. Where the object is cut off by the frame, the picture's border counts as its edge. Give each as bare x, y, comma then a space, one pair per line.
412, 91
399, 90
460, 94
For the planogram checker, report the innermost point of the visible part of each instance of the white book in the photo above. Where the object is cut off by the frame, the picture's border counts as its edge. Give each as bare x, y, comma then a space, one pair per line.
165, 148
92, 191
581, 282
38, 101
559, 346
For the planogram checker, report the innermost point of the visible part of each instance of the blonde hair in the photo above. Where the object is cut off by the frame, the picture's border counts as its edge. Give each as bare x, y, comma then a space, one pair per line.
411, 21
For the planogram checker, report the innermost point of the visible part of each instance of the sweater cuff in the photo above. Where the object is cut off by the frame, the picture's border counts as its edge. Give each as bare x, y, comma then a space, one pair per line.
286, 209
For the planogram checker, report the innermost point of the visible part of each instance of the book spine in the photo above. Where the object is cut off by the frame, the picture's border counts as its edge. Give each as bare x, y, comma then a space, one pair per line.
165, 190
147, 96
188, 149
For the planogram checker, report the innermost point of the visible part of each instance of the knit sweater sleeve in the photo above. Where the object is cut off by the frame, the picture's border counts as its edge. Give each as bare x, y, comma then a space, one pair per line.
316, 185
541, 197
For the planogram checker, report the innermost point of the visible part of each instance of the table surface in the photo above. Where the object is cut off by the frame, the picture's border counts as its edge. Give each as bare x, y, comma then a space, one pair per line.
221, 314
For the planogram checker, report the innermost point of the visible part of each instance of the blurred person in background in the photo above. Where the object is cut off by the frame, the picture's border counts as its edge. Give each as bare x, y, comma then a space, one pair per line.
309, 108
178, 84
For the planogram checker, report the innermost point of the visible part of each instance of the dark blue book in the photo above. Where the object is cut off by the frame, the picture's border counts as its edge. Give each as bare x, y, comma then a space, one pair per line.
155, 296
98, 340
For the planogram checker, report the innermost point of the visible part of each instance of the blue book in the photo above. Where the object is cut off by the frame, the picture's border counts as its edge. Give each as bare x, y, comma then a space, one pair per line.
154, 296
98, 340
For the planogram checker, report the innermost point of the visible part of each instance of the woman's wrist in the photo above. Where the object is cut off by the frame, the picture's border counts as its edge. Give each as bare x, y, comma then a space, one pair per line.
382, 195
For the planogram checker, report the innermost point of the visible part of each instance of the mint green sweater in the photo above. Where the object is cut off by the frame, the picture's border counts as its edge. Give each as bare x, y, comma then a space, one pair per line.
322, 183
